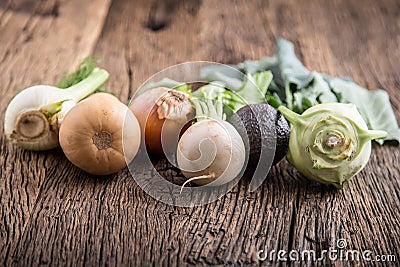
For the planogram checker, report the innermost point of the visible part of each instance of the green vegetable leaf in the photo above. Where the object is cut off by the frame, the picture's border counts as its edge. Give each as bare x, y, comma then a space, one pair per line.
274, 100
254, 66
374, 106
217, 91
210, 91
288, 73
230, 76
292, 71
208, 108
252, 91
255, 88
316, 93
184, 88
225, 84
85, 68
165, 82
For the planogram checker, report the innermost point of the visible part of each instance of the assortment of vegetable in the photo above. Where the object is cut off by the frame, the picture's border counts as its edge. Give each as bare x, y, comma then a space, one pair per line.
329, 143
244, 116
89, 125
299, 89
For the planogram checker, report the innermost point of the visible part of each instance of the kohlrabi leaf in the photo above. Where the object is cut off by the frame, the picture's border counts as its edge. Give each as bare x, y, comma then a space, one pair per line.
217, 91
252, 91
229, 75
184, 88
210, 91
165, 82
289, 75
254, 66
275, 89
316, 93
321, 87
286, 68
374, 106
274, 100
292, 71
255, 88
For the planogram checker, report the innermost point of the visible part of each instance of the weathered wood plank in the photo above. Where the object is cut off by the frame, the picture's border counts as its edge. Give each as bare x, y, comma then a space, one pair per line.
39, 40
57, 215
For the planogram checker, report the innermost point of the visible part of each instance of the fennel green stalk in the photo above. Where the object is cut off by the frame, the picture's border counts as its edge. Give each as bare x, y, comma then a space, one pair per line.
33, 116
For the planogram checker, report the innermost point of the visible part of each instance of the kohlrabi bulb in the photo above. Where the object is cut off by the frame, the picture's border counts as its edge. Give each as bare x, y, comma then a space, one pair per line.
329, 143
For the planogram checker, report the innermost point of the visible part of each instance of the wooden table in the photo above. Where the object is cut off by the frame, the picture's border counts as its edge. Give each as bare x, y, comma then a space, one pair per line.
52, 213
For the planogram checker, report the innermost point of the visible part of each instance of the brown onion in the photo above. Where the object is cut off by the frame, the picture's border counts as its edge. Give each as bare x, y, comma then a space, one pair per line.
162, 114
100, 134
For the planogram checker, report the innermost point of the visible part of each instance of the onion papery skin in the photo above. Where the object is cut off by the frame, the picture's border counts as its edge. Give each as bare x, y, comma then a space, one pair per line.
163, 114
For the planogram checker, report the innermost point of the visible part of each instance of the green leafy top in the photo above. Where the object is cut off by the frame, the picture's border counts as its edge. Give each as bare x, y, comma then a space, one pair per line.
294, 86
283, 80
85, 68
374, 107
252, 91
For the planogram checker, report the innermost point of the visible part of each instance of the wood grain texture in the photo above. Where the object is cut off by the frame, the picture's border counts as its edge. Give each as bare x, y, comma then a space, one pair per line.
52, 213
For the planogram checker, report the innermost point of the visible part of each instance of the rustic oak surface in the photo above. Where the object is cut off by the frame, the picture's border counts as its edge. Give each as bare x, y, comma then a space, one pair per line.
52, 213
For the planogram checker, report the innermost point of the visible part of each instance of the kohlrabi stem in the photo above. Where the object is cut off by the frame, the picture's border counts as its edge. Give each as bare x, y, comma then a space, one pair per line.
87, 86
291, 116
289, 98
368, 135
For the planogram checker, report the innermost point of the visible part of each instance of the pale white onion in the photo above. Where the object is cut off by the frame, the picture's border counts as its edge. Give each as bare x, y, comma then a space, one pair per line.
211, 152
